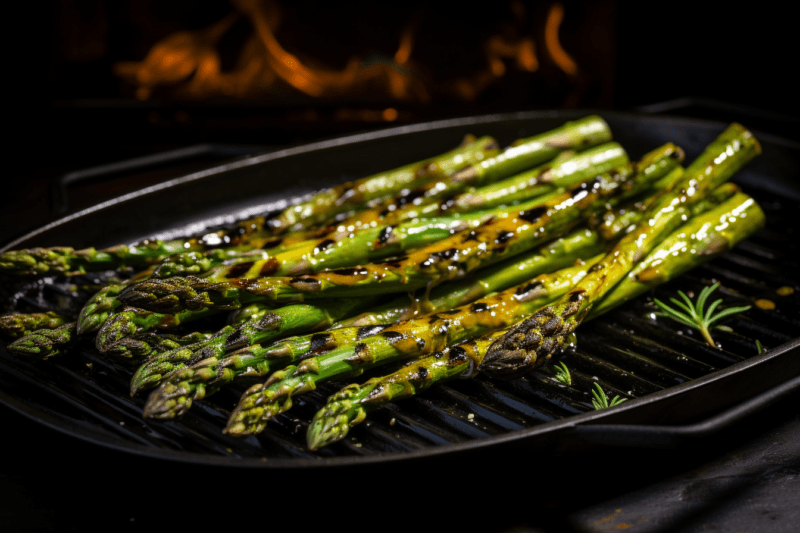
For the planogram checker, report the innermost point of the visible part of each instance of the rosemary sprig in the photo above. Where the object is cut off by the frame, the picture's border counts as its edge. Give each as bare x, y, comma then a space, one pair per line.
562, 373
600, 400
760, 347
694, 315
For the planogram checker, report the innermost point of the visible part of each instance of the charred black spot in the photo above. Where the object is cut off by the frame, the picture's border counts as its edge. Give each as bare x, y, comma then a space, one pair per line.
458, 355
268, 244
385, 234
576, 296
479, 308
270, 322
444, 255
395, 262
532, 215
471, 236
447, 254
305, 283
369, 331
420, 343
528, 288
269, 267
504, 237
422, 372
409, 198
320, 341
675, 155
352, 271
392, 336
595, 268
236, 271
324, 245
362, 352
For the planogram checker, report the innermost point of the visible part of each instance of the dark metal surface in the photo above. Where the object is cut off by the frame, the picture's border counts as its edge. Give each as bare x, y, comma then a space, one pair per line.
671, 379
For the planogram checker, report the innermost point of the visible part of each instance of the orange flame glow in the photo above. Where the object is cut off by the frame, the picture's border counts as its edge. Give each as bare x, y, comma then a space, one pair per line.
560, 56
188, 63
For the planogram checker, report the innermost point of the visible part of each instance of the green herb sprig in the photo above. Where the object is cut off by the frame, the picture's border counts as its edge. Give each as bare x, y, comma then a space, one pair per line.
694, 315
562, 373
600, 400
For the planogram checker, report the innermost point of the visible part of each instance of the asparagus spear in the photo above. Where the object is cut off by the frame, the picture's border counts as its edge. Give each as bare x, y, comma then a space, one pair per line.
199, 380
325, 204
93, 314
16, 325
561, 253
451, 258
369, 245
46, 343
111, 339
436, 199
181, 388
203, 377
700, 239
404, 340
581, 242
542, 179
536, 337
65, 260
103, 303
273, 324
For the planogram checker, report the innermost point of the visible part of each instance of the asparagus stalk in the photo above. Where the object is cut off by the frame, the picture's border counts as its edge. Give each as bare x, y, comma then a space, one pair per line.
65, 260
115, 327
558, 254
581, 242
111, 339
496, 239
436, 199
17, 325
412, 338
542, 179
103, 303
260, 328
522, 154
181, 388
536, 337
369, 245
325, 204
532, 151
199, 380
614, 221
700, 239
195, 382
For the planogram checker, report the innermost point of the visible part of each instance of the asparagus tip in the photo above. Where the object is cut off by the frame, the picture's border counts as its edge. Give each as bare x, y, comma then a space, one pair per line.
533, 341
169, 401
334, 420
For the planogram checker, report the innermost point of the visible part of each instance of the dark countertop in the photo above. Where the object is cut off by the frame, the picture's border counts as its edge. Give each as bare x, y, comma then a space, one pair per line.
749, 480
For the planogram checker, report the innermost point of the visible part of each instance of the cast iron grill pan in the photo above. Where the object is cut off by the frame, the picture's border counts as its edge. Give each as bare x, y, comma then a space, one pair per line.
653, 363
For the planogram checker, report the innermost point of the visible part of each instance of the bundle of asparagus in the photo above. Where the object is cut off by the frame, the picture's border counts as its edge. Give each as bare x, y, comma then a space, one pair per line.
481, 239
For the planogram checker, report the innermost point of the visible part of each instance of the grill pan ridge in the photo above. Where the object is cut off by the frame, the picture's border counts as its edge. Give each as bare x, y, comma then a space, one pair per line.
669, 375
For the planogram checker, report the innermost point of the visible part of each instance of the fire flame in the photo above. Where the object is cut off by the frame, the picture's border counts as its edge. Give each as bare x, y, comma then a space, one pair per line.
188, 63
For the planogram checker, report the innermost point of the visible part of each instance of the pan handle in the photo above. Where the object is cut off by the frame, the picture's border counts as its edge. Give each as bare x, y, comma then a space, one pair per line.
58, 189
665, 437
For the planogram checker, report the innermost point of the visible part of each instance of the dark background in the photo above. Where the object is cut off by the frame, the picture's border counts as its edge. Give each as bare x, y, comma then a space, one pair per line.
65, 113
67, 110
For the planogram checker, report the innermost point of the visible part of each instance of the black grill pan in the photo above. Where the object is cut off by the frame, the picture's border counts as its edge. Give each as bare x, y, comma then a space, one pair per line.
674, 381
